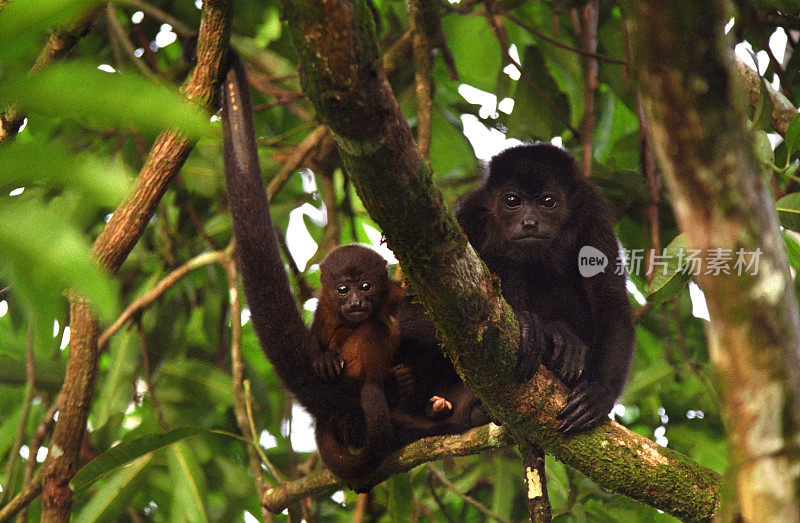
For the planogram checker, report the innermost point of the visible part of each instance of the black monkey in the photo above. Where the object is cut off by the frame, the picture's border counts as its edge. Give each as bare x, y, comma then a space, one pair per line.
528, 222
287, 342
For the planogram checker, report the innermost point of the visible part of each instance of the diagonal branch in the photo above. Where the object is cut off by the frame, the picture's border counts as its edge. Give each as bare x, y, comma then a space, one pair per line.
343, 77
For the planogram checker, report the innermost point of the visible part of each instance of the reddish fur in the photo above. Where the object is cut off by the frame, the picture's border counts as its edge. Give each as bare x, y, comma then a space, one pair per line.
368, 350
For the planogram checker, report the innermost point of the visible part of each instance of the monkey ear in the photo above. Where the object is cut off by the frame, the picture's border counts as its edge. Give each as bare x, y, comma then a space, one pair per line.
472, 214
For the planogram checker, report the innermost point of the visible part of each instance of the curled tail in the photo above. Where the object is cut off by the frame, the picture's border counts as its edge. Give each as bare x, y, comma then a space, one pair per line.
280, 328
377, 439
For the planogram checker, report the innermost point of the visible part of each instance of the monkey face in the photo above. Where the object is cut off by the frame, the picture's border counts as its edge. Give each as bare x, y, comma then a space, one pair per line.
529, 219
356, 299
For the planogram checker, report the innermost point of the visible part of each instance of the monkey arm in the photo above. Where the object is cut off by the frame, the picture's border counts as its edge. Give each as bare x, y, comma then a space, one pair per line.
608, 363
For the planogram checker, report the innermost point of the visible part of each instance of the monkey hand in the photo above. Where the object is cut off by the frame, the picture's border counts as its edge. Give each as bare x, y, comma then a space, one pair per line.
403, 378
327, 365
567, 359
587, 406
532, 340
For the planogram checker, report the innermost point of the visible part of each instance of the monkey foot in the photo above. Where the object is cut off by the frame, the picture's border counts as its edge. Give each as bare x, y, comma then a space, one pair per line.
588, 405
440, 404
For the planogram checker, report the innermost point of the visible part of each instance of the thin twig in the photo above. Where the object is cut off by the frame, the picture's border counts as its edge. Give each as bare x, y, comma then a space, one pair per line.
30, 390
472, 501
422, 77
248, 402
555, 42
361, 507
589, 18
179, 27
28, 493
439, 503
246, 426
44, 428
207, 258
536, 484
118, 33
499, 34
296, 159
639, 313
148, 376
474, 441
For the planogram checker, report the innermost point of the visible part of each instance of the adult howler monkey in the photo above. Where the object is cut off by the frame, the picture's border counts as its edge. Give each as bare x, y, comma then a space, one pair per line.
528, 222
289, 345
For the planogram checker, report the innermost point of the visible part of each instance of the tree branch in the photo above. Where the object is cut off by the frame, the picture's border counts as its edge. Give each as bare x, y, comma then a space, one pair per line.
783, 112
477, 440
111, 248
350, 92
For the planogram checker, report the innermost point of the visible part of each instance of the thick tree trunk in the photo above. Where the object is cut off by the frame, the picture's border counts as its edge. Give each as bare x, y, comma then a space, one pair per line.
695, 114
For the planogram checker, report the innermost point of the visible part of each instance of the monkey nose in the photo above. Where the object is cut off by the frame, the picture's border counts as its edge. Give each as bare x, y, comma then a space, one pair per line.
528, 223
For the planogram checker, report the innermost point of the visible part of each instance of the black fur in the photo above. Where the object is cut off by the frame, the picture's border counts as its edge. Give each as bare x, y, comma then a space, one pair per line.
528, 222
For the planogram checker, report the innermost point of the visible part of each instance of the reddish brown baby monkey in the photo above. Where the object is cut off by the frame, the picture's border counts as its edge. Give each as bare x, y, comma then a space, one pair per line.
358, 336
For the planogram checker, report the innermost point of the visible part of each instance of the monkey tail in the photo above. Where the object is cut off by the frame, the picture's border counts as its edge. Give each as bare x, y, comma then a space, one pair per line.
377, 439
276, 320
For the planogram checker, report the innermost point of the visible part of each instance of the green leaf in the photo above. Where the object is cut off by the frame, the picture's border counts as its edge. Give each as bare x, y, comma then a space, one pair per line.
114, 496
22, 20
197, 379
792, 138
669, 279
475, 49
763, 109
116, 390
507, 474
451, 153
792, 246
116, 100
49, 372
126, 452
534, 116
105, 182
400, 497
763, 150
8, 428
789, 211
43, 256
189, 500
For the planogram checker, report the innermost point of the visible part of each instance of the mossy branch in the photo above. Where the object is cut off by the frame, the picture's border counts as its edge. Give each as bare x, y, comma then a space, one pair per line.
343, 76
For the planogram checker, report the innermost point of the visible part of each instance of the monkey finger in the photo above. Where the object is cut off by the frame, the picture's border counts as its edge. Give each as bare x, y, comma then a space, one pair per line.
586, 421
581, 423
573, 368
576, 402
528, 362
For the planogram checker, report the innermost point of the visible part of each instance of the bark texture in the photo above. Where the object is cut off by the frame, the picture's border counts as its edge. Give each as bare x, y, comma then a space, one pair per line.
695, 113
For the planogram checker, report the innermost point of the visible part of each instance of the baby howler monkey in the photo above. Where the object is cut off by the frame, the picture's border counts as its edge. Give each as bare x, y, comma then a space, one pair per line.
358, 335
529, 222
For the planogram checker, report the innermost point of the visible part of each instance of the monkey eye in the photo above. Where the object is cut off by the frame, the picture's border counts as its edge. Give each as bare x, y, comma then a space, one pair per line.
548, 201
512, 201
342, 290
365, 286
